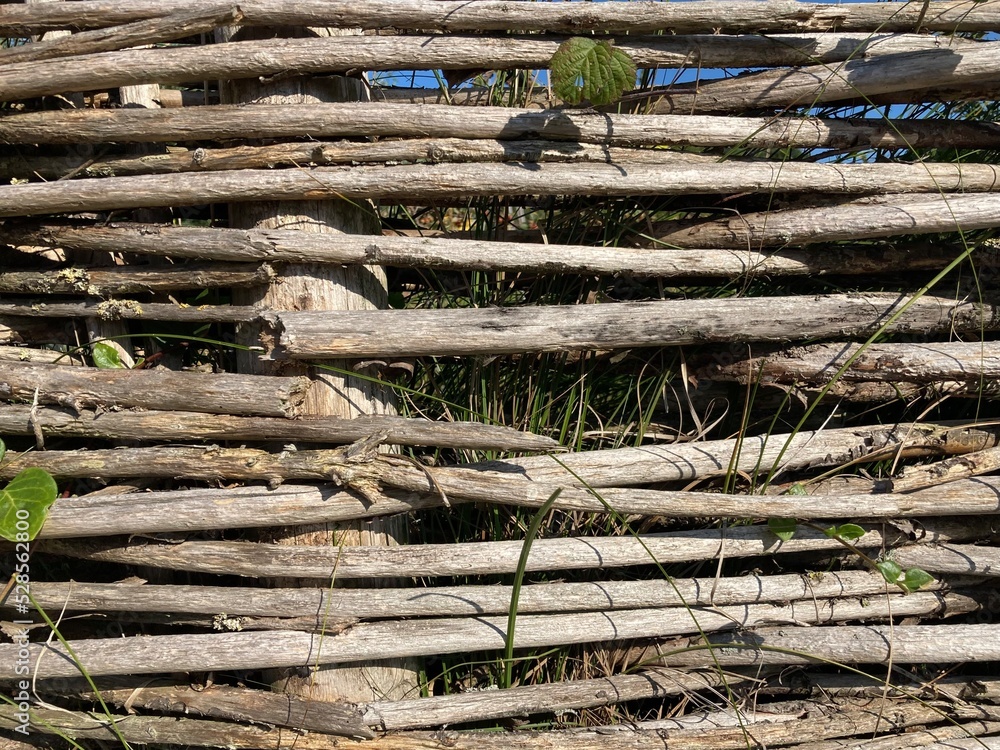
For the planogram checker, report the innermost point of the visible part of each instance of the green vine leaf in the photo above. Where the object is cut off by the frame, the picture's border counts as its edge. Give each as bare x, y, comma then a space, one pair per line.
915, 579
796, 489
106, 356
24, 504
3, 450
891, 571
848, 532
585, 69
783, 528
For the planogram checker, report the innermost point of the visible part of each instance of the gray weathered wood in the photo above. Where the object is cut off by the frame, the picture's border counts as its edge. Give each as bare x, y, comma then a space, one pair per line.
482, 558
216, 393
441, 601
126, 309
434, 252
374, 641
227, 122
759, 454
159, 426
165, 28
881, 217
101, 281
870, 644
498, 15
307, 335
268, 57
964, 559
913, 362
37, 356
433, 182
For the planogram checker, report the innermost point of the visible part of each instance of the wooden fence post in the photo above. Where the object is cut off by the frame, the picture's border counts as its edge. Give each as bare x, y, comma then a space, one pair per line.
317, 287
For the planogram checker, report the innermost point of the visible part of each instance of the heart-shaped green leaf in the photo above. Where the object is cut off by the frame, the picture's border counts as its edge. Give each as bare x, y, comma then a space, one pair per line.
106, 356
585, 69
846, 531
25, 502
783, 528
891, 571
796, 489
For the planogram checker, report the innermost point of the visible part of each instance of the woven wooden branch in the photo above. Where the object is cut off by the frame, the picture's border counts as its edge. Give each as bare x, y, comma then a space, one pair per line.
26, 354
133, 279
432, 182
127, 309
166, 28
755, 455
218, 393
425, 121
279, 245
317, 335
484, 558
443, 601
872, 644
158, 426
882, 217
269, 57
370, 641
914, 362
964, 559
498, 15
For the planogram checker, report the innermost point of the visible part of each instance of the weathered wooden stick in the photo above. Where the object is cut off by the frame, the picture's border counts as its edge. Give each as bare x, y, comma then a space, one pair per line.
165, 28
433, 182
158, 426
758, 454
949, 470
269, 57
812, 85
216, 393
884, 217
127, 309
871, 644
433, 252
443, 601
964, 559
495, 15
916, 362
26, 354
222, 702
482, 558
309, 335
936, 737
316, 120
369, 641
133, 279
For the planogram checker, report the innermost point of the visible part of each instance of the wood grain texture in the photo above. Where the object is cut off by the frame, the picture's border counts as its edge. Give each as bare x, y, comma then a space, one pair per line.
433, 252
951, 559
620, 325
365, 119
376, 641
102, 281
499, 15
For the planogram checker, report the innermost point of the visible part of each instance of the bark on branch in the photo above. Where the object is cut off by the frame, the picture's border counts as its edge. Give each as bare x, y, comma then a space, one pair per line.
101, 281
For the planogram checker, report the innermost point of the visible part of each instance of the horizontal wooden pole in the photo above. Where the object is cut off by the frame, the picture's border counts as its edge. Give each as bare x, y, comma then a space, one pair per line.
850, 644
430, 182
373, 641
500, 15
621, 325
159, 426
37, 356
318, 55
881, 217
167, 390
134, 279
812, 85
913, 362
433, 252
165, 28
482, 558
443, 601
964, 559
126, 309
318, 120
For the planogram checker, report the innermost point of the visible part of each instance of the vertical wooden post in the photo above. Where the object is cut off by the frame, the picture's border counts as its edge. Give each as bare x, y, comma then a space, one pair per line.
314, 287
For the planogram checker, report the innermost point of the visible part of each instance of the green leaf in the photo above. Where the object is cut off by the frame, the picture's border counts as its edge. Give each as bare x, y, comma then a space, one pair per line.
584, 69
3, 449
848, 532
25, 502
915, 579
783, 528
106, 356
891, 571
796, 489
